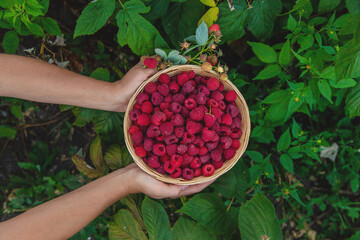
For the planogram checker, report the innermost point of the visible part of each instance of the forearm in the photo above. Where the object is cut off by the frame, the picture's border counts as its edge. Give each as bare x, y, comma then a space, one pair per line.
64, 216
31, 79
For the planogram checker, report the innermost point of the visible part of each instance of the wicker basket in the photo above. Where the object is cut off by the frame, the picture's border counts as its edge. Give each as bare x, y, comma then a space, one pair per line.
244, 111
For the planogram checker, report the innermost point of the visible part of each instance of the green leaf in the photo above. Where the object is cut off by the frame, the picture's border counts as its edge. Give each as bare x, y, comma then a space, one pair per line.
294, 104
101, 74
117, 157
84, 168
35, 29
125, 227
106, 122
347, 62
264, 52
51, 26
157, 9
232, 23
28, 166
16, 110
296, 129
263, 17
202, 34
33, 8
306, 42
284, 56
257, 218
10, 42
353, 7
7, 3
291, 23
130, 203
255, 156
181, 20
156, 220
96, 155
301, 59
209, 211
343, 83
287, 163
210, 3
210, 16
7, 132
93, 17
187, 229
352, 103
135, 30
277, 96
327, 5
325, 89
270, 71
295, 195
284, 141
277, 112
354, 184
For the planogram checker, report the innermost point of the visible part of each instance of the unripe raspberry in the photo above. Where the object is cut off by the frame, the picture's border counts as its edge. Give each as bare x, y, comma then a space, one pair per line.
206, 66
224, 77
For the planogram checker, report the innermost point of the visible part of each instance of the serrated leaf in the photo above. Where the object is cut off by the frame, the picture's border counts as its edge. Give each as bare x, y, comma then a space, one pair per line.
157, 9
187, 229
305, 42
7, 132
301, 59
255, 156
106, 122
263, 15
264, 52
291, 23
10, 42
347, 62
294, 104
284, 141
93, 17
325, 89
287, 163
156, 220
296, 129
101, 74
117, 157
161, 53
284, 56
277, 96
202, 34
7, 3
270, 71
353, 7
51, 26
327, 5
125, 227
28, 166
343, 83
16, 110
210, 3
130, 203
352, 103
257, 218
209, 211
277, 112
84, 168
295, 195
96, 155
35, 29
210, 16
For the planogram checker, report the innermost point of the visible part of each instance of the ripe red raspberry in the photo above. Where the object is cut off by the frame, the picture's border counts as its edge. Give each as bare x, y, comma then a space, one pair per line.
201, 99
226, 119
179, 131
175, 107
203, 150
204, 90
178, 120
168, 114
193, 127
167, 128
157, 98
148, 144
221, 87
134, 114
157, 109
236, 123
197, 114
176, 160
217, 96
214, 28
140, 151
191, 74
211, 145
142, 97
216, 155
143, 120
198, 141
222, 105
197, 172
226, 142
197, 79
158, 118
205, 158
137, 106
217, 164
193, 150
216, 127
182, 78
185, 112
204, 80
169, 167
159, 149
150, 63
171, 149
188, 87
182, 148
195, 163
232, 110
224, 130
133, 129
213, 84
188, 138
154, 162
235, 143
186, 160
212, 103
171, 139
173, 87
164, 78
137, 137
190, 103
177, 173
208, 135
164, 105
179, 98
165, 158
161, 137
187, 174
147, 107
208, 170
236, 133
150, 87
229, 153
163, 89
209, 120
168, 98
230, 96
161, 169
152, 131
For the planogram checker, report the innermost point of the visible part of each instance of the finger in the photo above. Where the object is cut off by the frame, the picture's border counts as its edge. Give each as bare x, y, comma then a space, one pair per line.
195, 188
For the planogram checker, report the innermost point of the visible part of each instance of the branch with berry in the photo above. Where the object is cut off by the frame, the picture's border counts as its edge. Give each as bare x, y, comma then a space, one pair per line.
199, 49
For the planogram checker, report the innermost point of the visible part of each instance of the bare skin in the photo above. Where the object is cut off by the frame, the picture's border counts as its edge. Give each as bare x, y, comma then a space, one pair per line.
64, 216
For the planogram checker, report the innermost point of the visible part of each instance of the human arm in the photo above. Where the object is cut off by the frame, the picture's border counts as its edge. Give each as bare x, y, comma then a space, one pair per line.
64, 216
34, 80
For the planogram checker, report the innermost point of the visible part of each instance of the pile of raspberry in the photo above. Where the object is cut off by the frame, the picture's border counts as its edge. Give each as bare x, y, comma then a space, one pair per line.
185, 126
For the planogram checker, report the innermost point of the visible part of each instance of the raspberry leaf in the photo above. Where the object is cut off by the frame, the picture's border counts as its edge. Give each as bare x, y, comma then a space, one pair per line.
187, 229
10, 42
287, 163
353, 101
84, 168
202, 34
96, 156
270, 71
209, 3
7, 131
264, 52
210, 16
117, 157
284, 141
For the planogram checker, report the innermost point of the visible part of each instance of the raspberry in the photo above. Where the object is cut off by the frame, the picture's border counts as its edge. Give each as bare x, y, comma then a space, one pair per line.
171, 149
179, 131
206, 66
204, 80
147, 107
160, 137
171, 139
226, 142
173, 87
232, 110
205, 158
197, 79
235, 143
217, 164
230, 96
185, 112
193, 150
153, 162
150, 63
179, 98
226, 119
164, 105
143, 120
177, 120
161, 169
201, 99
188, 87
190, 103
221, 87
229, 153
175, 107
222, 105
203, 150
168, 98
152, 131
167, 128
137, 106
182, 148
187, 174
140, 151
150, 87
169, 167
193, 127
157, 109
209, 120
182, 78
216, 155
235, 133
217, 96
148, 144
158, 118
191, 74
219, 147
176, 160
164, 78
212, 60
165, 158
212, 103
217, 112
141, 98
204, 90
195, 163
186, 160
197, 114
159, 149
188, 138
199, 142
197, 172
214, 28
133, 129
156, 98
216, 127
212, 84
177, 173
134, 114
236, 123
168, 114
225, 130
208, 170
163, 89
208, 135
211, 145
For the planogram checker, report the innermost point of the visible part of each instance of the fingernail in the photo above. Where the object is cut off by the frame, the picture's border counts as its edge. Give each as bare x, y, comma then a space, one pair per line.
183, 187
